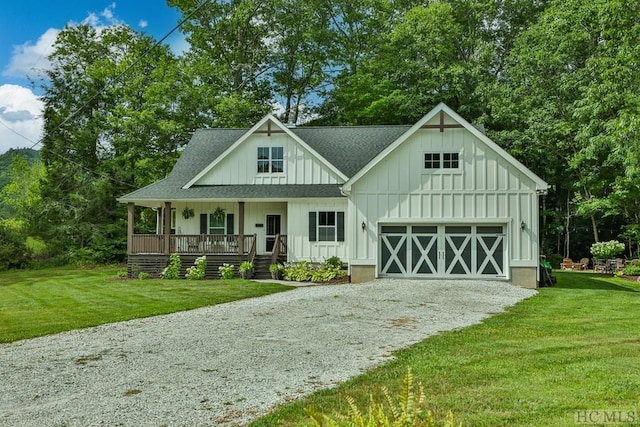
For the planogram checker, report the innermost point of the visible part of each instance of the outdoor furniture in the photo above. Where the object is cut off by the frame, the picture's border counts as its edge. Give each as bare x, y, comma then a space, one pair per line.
567, 264
619, 264
600, 266
583, 264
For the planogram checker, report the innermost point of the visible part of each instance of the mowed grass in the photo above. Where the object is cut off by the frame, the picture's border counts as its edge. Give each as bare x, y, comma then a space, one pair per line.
41, 302
570, 348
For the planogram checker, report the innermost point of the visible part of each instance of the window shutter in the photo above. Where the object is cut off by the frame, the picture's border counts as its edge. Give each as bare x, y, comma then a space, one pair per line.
312, 227
203, 223
230, 223
340, 226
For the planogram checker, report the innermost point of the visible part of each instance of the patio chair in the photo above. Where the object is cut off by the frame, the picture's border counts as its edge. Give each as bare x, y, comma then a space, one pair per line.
599, 266
584, 264
567, 264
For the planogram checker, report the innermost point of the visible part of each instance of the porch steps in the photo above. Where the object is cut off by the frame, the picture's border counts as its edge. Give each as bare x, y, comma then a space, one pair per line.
261, 265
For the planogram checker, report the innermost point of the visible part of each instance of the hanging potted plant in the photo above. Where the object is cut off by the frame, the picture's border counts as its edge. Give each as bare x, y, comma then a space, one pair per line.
218, 214
187, 213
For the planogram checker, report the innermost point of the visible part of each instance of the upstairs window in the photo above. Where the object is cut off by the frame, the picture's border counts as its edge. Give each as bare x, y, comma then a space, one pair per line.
432, 160
270, 159
441, 161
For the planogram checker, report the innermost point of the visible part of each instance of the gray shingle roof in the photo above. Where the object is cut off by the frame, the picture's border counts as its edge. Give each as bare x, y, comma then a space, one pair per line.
349, 149
160, 191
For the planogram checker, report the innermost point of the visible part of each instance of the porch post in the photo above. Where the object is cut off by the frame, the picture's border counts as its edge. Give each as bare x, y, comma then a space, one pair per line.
240, 228
130, 218
167, 227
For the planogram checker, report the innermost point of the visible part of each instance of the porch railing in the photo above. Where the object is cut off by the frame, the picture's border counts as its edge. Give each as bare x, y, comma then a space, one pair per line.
220, 244
279, 247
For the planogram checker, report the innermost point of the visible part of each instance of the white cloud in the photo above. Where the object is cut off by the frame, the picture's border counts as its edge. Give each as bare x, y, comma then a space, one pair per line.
30, 59
108, 14
143, 23
21, 114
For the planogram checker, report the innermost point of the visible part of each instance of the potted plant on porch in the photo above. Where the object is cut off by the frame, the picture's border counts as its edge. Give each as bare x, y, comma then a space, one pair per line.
276, 270
246, 269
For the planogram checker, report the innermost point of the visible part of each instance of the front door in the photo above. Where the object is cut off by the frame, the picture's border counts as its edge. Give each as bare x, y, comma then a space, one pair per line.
273, 229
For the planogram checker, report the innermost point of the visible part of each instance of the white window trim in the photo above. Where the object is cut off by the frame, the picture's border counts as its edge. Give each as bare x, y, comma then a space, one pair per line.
210, 228
334, 227
270, 160
441, 169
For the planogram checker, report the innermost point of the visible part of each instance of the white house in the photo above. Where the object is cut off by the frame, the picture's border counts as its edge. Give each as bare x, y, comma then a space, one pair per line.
438, 199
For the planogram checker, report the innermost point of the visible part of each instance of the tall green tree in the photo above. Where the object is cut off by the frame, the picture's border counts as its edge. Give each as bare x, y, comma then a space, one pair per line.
111, 109
567, 102
228, 60
441, 51
299, 44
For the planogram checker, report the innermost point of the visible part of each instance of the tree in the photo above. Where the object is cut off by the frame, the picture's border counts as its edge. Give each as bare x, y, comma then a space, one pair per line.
569, 87
299, 44
228, 60
107, 112
22, 194
443, 51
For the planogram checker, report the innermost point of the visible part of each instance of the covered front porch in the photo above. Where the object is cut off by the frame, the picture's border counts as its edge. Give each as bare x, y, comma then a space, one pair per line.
176, 233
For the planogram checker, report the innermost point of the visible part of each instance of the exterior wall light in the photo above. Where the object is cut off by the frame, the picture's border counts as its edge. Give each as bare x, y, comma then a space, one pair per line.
363, 225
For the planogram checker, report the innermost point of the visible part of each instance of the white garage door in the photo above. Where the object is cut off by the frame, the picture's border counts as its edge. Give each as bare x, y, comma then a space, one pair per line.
442, 250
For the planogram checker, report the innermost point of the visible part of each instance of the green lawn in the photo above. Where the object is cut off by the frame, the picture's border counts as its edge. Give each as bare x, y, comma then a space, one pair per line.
572, 347
41, 302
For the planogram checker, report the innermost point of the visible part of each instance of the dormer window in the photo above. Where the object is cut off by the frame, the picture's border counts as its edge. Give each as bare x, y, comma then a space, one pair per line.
270, 159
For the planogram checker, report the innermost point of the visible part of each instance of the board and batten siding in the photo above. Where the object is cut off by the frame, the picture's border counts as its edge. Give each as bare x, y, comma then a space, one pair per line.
240, 166
299, 246
486, 188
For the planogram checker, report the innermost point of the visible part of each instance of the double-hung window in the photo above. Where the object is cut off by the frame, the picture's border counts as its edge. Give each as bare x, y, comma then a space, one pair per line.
270, 159
326, 226
447, 160
216, 224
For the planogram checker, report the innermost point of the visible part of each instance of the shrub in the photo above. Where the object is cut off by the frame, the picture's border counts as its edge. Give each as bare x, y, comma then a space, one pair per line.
197, 270
122, 274
143, 275
334, 261
407, 411
304, 271
245, 269
300, 271
555, 260
326, 273
226, 271
14, 253
172, 271
632, 269
604, 250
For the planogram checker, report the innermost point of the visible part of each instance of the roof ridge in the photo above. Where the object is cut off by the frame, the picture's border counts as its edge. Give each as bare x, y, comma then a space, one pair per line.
313, 127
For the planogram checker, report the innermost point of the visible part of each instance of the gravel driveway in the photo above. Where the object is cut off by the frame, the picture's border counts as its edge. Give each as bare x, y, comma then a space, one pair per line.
230, 363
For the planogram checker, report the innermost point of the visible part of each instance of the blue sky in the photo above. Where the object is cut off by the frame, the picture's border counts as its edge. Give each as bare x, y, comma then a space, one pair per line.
27, 31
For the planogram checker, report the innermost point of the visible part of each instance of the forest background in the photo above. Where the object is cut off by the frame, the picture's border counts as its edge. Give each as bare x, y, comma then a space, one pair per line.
555, 83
